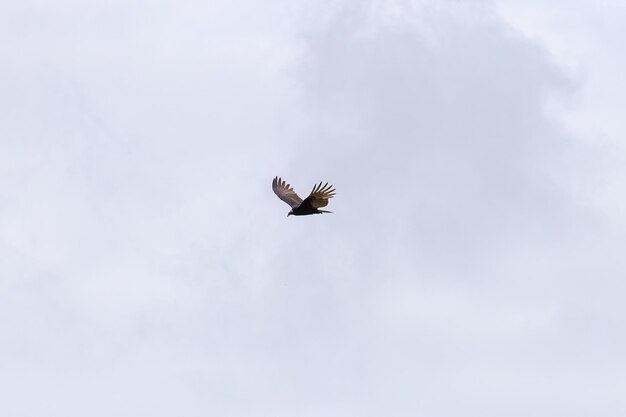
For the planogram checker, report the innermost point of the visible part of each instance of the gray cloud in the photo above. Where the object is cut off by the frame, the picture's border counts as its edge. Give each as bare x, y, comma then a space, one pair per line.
147, 267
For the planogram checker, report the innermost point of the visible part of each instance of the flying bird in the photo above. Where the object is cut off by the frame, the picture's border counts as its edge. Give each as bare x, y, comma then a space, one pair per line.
318, 198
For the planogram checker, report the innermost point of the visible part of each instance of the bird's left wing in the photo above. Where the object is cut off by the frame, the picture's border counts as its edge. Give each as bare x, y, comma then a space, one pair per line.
319, 195
285, 192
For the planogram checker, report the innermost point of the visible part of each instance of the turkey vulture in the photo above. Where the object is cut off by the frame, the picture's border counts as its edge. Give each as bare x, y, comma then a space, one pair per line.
318, 198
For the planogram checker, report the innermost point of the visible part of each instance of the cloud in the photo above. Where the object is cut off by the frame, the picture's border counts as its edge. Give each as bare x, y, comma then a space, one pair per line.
147, 267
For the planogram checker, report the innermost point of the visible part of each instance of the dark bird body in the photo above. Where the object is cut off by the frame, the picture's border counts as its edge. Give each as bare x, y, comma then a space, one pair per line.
311, 205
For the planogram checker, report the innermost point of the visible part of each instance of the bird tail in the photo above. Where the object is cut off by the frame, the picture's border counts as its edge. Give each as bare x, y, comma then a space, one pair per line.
324, 211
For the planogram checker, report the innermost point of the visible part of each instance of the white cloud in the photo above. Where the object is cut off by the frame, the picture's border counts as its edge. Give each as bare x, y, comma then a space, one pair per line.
147, 267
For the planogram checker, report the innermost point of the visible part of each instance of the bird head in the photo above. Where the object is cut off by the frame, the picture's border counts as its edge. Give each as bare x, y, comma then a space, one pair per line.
290, 213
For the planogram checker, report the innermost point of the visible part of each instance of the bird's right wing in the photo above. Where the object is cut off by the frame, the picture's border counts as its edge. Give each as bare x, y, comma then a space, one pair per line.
320, 195
285, 192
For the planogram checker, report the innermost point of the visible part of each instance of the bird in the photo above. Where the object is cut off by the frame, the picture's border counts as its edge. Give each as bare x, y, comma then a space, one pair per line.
311, 205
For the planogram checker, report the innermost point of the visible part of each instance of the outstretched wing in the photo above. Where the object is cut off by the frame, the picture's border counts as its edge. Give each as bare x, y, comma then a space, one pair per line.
285, 192
319, 195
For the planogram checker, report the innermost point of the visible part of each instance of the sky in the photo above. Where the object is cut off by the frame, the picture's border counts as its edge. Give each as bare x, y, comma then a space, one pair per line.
473, 264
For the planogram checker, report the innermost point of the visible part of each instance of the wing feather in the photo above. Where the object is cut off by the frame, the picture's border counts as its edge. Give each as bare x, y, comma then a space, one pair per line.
319, 195
285, 192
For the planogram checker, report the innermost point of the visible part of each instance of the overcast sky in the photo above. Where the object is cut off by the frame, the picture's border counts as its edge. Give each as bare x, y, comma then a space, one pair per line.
474, 265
